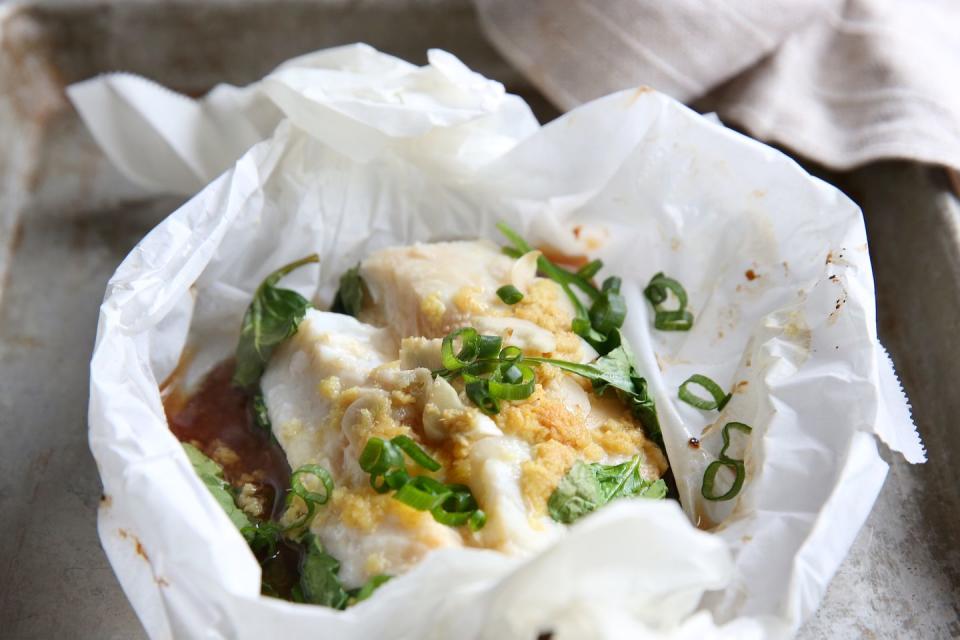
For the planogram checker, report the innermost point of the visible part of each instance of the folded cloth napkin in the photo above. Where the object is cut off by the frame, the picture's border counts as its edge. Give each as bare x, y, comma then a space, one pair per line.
843, 82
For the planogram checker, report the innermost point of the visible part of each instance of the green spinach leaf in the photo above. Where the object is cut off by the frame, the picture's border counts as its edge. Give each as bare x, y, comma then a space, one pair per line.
272, 317
261, 417
364, 592
211, 474
587, 487
319, 583
349, 298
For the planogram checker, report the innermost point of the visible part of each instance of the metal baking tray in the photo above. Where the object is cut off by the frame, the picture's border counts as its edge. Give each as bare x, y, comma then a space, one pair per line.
67, 219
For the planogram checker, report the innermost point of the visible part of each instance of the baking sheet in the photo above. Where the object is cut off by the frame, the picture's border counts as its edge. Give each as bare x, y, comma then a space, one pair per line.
67, 207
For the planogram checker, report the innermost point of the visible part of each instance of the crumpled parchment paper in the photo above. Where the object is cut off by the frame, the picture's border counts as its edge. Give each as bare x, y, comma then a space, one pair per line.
354, 150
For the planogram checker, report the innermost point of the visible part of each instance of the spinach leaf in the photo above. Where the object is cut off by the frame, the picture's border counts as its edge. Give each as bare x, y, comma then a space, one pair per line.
587, 487
261, 417
211, 474
272, 317
319, 583
617, 370
364, 592
349, 298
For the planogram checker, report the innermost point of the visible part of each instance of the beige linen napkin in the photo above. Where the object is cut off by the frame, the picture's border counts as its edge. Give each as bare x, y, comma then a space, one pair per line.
843, 82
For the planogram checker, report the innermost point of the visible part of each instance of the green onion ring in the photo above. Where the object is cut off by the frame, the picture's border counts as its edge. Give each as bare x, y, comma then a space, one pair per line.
479, 393
488, 346
509, 294
720, 399
673, 320
656, 292
514, 390
379, 456
477, 520
710, 475
422, 493
469, 348
321, 474
511, 353
725, 434
418, 455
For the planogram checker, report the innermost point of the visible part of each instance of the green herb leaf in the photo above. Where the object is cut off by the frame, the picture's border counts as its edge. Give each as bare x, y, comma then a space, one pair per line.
319, 582
349, 298
272, 317
587, 487
364, 592
261, 417
211, 474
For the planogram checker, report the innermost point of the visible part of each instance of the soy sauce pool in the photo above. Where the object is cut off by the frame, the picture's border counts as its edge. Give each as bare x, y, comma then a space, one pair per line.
218, 419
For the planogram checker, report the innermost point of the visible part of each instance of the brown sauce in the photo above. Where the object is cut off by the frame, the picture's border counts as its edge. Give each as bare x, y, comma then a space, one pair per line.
217, 418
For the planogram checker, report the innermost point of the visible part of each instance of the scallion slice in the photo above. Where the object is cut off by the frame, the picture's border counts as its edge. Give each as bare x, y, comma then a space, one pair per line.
720, 399
509, 294
656, 292
479, 393
509, 387
469, 349
423, 493
321, 474
673, 320
737, 466
418, 455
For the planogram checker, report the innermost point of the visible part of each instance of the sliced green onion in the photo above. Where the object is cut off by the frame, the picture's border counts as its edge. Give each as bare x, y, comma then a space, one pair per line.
737, 466
396, 478
422, 493
609, 310
479, 393
418, 455
720, 399
321, 474
469, 348
673, 320
457, 508
509, 294
590, 269
488, 346
710, 475
512, 354
656, 291
517, 390
379, 456
477, 520
725, 434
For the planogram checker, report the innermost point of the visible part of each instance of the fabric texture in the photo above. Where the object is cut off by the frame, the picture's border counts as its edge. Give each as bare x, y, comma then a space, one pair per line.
843, 82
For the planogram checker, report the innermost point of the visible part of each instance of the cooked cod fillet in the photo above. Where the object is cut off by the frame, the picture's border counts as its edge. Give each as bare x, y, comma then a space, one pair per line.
339, 382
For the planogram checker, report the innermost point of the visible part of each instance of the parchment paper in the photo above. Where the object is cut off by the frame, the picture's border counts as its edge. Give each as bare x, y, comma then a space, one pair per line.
361, 151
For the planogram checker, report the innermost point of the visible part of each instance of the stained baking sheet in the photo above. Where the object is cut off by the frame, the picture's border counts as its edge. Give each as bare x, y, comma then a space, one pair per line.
67, 219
